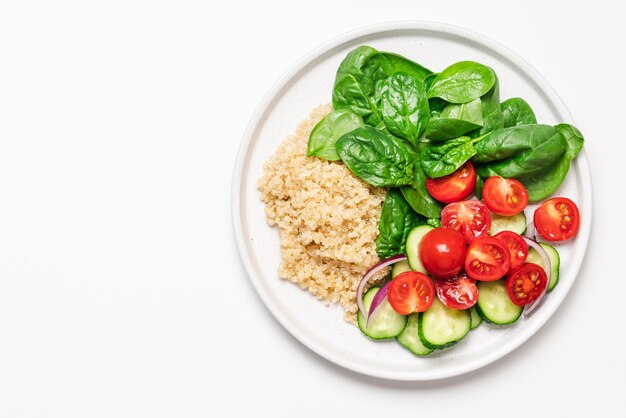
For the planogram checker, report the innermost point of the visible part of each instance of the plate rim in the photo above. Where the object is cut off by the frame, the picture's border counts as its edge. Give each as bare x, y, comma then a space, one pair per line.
282, 82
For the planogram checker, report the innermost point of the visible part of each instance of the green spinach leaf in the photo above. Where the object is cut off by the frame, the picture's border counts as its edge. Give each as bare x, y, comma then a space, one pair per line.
470, 111
463, 82
396, 221
507, 142
434, 222
492, 114
404, 107
455, 120
441, 159
405, 65
376, 157
517, 111
326, 133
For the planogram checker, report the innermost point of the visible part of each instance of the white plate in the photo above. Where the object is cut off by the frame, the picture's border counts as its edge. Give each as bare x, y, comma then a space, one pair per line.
309, 83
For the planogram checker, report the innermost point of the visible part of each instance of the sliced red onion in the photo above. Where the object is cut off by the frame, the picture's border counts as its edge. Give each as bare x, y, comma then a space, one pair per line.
530, 231
368, 275
379, 297
548, 268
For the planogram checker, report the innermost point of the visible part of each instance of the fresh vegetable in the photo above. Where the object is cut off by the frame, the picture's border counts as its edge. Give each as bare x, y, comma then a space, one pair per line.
494, 304
413, 243
516, 111
470, 217
410, 339
442, 158
326, 133
400, 267
548, 268
518, 248
417, 195
557, 219
526, 284
388, 324
515, 223
377, 303
506, 197
487, 259
442, 252
492, 114
368, 275
405, 65
404, 107
455, 120
462, 82
397, 219
378, 158
410, 292
555, 262
441, 326
458, 292
475, 319
453, 187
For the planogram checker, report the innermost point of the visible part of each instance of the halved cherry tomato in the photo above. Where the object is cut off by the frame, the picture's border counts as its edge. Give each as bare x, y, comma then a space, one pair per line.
504, 196
458, 292
557, 219
442, 252
410, 292
470, 217
518, 249
525, 284
453, 187
487, 259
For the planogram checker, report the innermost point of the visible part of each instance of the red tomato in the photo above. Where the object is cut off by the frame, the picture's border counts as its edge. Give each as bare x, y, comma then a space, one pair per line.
410, 292
487, 259
453, 187
442, 251
525, 284
504, 196
458, 292
470, 217
557, 219
518, 249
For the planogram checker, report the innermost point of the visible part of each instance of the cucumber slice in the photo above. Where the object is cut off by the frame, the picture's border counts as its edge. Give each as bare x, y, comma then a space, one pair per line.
555, 262
413, 245
441, 326
400, 267
410, 339
494, 304
388, 324
475, 318
515, 223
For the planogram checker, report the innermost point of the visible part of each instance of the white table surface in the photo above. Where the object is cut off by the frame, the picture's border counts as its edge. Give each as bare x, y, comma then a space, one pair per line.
121, 289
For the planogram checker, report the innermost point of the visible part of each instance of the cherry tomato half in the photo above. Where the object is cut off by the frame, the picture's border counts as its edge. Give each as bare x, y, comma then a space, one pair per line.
557, 219
442, 252
504, 196
410, 292
458, 292
453, 187
525, 284
470, 217
518, 249
487, 259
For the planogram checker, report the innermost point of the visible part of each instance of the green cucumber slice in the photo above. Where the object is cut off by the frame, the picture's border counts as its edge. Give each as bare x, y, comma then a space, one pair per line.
400, 267
388, 323
515, 223
409, 338
441, 326
494, 304
476, 320
413, 245
555, 262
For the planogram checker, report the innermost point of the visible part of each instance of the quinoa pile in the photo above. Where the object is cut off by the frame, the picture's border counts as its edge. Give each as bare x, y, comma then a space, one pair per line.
327, 218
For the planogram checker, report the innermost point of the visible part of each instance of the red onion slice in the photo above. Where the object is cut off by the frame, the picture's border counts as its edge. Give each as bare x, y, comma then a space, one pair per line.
379, 297
548, 268
368, 275
530, 231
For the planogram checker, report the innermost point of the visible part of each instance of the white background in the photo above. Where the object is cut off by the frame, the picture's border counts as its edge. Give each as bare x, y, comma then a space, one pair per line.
121, 289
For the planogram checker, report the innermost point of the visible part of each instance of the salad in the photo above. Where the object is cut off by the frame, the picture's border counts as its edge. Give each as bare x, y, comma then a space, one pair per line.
459, 168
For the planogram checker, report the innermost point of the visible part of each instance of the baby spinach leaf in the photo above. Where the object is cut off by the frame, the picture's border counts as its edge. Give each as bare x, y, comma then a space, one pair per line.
507, 142
405, 65
492, 114
404, 107
396, 221
542, 184
327, 131
441, 129
418, 197
463, 82
517, 112
376, 157
441, 159
358, 79
478, 191
541, 155
429, 80
470, 111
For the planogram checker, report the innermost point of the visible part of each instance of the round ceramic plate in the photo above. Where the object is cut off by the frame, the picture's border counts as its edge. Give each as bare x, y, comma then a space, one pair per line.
309, 83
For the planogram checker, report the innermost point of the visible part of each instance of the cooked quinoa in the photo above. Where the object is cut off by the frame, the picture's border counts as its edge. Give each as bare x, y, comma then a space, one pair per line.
327, 218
